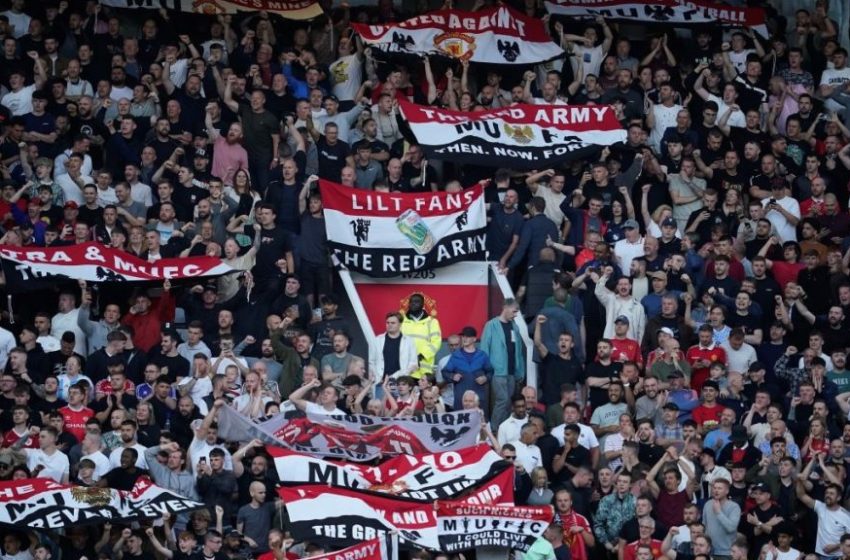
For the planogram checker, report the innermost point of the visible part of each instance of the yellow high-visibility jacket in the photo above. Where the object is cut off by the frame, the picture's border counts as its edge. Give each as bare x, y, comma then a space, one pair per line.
427, 337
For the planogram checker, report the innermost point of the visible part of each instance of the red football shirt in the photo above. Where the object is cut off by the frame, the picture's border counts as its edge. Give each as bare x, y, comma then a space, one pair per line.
714, 353
626, 350
703, 414
75, 420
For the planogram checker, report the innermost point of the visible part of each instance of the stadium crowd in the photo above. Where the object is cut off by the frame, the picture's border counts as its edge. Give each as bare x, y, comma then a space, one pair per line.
687, 290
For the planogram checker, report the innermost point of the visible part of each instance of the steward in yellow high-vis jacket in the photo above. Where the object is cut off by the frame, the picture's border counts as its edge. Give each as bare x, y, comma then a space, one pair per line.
425, 332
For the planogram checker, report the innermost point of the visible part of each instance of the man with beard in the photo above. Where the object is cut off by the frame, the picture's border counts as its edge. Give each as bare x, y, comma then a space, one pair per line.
577, 532
274, 368
275, 253
160, 140
292, 297
294, 360
559, 368
123, 146
181, 423
324, 330
172, 475
833, 520
648, 452
128, 441
831, 326
228, 153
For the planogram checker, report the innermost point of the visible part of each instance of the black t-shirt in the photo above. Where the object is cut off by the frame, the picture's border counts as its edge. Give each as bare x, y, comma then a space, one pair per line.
274, 244
121, 479
747, 322
722, 181
599, 395
332, 158
392, 361
177, 366
556, 372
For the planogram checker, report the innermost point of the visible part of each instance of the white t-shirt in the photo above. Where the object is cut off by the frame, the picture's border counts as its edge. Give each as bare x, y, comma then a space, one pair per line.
141, 192
199, 390
79, 89
509, 429
527, 455
591, 58
19, 103
115, 456
56, 466
553, 204
834, 78
346, 75
831, 525
72, 190
586, 437
737, 119
222, 365
313, 408
118, 93
784, 229
101, 464
63, 322
178, 72
626, 252
7, 343
241, 403
20, 23
739, 60
665, 117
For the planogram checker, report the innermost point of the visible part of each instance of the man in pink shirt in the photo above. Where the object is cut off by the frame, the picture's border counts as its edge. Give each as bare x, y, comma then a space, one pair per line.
228, 154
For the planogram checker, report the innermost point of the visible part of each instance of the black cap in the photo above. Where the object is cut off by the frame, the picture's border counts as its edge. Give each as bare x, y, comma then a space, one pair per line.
469, 331
760, 487
671, 406
675, 373
330, 98
739, 434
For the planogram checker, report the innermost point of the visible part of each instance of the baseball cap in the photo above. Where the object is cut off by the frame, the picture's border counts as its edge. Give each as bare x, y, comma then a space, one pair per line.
201, 153
668, 222
469, 331
760, 487
659, 274
739, 434
666, 330
671, 406
622, 319
630, 223
675, 373
71, 204
330, 98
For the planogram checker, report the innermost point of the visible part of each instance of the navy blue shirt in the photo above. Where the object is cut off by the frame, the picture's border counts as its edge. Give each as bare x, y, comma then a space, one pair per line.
501, 230
533, 238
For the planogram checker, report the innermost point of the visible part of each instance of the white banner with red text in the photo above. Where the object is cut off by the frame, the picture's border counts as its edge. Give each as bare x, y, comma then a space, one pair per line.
426, 477
672, 12
387, 234
517, 137
94, 262
466, 526
289, 9
41, 503
497, 35
356, 437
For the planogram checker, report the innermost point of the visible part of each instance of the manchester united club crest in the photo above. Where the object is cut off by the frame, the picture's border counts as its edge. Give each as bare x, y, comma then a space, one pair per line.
455, 45
207, 7
520, 134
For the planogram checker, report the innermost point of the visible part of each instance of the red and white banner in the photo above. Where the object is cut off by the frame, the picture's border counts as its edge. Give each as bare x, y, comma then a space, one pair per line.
498, 35
428, 477
674, 12
97, 263
387, 234
466, 282
342, 517
339, 516
518, 137
356, 437
385, 548
41, 503
465, 526
289, 9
